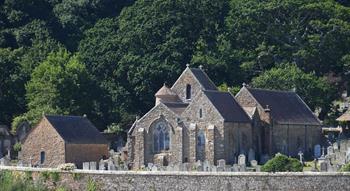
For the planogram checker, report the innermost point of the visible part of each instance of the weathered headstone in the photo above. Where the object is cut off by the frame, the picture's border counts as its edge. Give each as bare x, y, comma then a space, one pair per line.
111, 165
241, 159
253, 163
235, 168
101, 165
323, 166
154, 168
93, 165
149, 166
330, 150
251, 155
221, 165
317, 151
213, 168
86, 166
199, 165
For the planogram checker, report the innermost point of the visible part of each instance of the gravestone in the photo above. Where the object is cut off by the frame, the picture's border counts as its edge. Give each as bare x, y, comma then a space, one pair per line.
221, 165
235, 168
257, 168
330, 150
323, 166
149, 166
101, 165
206, 166
317, 151
154, 168
251, 155
111, 165
253, 163
93, 165
213, 169
199, 165
86, 166
241, 159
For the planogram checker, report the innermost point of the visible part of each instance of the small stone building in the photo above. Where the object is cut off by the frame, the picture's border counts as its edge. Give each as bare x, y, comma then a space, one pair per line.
190, 121
63, 139
282, 121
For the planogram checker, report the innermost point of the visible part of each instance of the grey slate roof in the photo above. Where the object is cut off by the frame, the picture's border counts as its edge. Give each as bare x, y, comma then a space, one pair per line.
286, 107
76, 129
227, 106
203, 79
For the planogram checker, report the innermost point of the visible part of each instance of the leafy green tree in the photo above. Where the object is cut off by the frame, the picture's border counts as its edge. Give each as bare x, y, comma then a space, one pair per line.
61, 85
315, 91
282, 163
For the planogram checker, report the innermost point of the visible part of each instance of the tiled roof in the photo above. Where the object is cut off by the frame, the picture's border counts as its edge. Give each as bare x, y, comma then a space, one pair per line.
203, 79
286, 107
227, 106
76, 129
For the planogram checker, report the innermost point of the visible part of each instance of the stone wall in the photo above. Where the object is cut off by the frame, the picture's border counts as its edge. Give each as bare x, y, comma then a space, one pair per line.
43, 138
119, 180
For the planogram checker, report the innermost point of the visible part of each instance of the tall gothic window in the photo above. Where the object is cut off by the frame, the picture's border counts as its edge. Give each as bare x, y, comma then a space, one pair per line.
188, 91
201, 138
42, 157
160, 137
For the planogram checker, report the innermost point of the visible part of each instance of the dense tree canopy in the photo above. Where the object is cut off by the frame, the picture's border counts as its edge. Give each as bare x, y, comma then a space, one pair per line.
123, 51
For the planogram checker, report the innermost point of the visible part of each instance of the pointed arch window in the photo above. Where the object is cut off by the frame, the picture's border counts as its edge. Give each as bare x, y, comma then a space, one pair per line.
161, 138
188, 91
201, 138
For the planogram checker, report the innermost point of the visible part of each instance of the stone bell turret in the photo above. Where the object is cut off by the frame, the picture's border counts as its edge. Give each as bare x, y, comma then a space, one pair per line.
165, 95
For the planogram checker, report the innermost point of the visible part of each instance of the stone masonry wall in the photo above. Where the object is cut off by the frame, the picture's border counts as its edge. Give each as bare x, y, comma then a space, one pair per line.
43, 138
119, 180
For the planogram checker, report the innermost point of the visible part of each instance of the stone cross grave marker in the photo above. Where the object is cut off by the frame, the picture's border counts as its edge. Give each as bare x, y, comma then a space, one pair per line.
301, 156
317, 151
241, 159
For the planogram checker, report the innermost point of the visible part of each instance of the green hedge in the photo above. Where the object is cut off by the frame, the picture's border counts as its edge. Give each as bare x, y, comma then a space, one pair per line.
282, 163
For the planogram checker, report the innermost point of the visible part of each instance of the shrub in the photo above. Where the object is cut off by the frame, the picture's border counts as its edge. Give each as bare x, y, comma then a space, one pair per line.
282, 163
91, 185
345, 168
67, 166
17, 147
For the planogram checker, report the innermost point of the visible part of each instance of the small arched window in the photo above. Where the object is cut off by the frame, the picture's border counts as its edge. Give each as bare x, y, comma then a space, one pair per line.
42, 157
161, 138
188, 91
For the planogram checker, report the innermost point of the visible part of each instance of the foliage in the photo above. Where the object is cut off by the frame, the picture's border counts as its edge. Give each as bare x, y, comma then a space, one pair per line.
17, 147
67, 166
122, 51
315, 91
91, 185
14, 181
345, 168
282, 163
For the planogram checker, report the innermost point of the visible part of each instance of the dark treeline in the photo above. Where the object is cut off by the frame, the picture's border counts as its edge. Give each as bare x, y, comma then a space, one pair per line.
107, 58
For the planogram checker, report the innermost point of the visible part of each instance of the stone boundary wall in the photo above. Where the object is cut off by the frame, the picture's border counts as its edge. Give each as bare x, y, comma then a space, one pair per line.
230, 181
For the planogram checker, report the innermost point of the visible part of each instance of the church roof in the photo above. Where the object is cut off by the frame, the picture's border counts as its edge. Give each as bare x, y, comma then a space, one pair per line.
165, 91
227, 106
76, 129
203, 79
286, 106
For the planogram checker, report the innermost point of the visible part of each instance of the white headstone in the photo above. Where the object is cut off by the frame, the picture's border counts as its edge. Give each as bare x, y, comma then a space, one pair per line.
93, 165
154, 168
241, 159
253, 163
101, 165
317, 151
86, 166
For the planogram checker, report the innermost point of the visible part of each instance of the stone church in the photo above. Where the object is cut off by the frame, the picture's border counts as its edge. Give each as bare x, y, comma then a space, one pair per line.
193, 120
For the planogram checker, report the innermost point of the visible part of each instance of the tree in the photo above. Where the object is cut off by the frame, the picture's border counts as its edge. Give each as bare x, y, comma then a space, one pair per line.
315, 91
61, 85
282, 163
